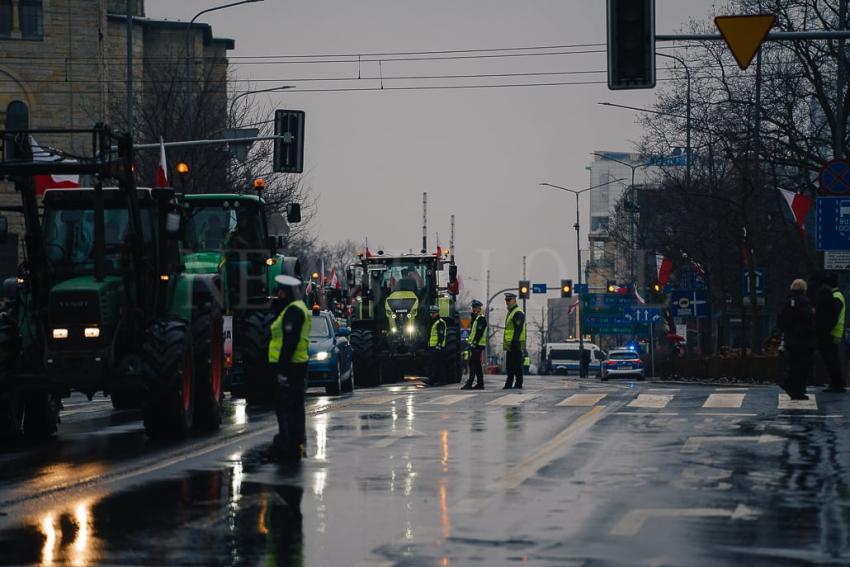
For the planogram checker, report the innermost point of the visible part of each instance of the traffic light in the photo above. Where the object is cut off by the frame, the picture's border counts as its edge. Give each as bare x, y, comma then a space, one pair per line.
631, 44
656, 293
524, 289
566, 288
612, 286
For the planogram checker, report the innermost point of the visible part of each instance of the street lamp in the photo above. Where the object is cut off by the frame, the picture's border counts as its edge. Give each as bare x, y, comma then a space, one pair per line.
246, 93
190, 57
687, 118
577, 226
633, 167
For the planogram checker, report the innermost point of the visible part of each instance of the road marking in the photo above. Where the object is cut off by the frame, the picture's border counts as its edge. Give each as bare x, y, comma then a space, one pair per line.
650, 401
551, 450
646, 413
451, 399
376, 400
633, 521
726, 414
786, 403
725, 401
692, 445
511, 400
577, 400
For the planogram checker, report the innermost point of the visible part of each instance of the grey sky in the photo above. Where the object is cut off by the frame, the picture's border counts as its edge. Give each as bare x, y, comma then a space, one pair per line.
480, 153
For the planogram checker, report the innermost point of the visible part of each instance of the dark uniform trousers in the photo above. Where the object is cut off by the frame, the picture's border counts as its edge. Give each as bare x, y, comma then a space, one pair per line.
289, 405
513, 364
476, 371
438, 366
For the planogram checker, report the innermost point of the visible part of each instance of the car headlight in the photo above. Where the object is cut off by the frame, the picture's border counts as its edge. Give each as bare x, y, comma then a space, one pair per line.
92, 332
322, 355
60, 333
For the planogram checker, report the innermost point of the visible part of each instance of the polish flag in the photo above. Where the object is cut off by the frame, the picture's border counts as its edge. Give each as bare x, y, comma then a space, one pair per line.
162, 168
333, 281
439, 247
367, 252
572, 308
45, 182
663, 266
799, 205
640, 299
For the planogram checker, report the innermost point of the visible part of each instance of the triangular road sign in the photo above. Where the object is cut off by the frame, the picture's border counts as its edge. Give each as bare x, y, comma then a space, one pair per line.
744, 34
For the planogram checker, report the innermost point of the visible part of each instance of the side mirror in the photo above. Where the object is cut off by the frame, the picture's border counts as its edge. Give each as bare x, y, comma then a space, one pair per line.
343, 332
453, 273
4, 229
293, 212
172, 224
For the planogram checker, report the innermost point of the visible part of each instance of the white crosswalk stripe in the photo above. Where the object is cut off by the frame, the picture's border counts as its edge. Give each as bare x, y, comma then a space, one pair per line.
582, 400
511, 400
656, 401
376, 400
786, 403
451, 399
725, 401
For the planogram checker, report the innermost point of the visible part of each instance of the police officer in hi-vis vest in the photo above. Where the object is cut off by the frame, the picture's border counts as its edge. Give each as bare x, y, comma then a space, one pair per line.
513, 342
290, 337
476, 342
437, 347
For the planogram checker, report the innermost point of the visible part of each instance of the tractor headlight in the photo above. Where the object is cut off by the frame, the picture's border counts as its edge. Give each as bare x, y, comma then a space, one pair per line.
409, 329
393, 330
92, 332
60, 333
321, 355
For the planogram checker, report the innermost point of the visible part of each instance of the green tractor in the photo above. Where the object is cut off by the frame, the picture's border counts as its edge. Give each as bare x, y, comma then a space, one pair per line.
227, 237
390, 323
101, 302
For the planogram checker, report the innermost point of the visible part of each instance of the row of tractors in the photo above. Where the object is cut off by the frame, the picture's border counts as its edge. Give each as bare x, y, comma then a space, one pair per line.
162, 300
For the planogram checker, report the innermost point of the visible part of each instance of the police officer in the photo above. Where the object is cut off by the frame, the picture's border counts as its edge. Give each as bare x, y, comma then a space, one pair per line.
290, 337
437, 347
513, 342
475, 343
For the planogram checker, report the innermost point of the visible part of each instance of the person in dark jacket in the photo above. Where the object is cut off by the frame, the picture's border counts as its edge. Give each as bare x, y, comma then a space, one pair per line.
829, 327
797, 323
476, 343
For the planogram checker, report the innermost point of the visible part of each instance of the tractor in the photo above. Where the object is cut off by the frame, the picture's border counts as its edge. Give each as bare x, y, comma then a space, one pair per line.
390, 323
101, 302
227, 236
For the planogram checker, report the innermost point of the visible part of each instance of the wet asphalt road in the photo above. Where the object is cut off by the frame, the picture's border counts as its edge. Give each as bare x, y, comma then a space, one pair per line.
564, 472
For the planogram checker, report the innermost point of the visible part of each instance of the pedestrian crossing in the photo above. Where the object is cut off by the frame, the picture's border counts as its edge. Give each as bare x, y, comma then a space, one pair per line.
651, 399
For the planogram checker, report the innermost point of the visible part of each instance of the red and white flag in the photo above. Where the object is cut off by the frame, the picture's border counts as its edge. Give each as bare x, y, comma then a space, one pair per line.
334, 281
367, 252
162, 168
439, 246
45, 182
572, 308
799, 205
638, 297
663, 266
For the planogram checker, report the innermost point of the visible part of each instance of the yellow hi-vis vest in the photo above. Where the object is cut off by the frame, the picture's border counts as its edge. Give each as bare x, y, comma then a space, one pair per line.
434, 339
509, 330
482, 342
838, 330
300, 355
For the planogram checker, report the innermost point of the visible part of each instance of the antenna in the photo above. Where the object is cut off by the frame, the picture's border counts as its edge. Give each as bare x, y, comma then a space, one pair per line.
424, 222
452, 241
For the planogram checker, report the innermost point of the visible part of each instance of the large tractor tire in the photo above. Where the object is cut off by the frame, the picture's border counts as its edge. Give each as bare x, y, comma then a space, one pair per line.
208, 338
11, 402
253, 334
169, 366
367, 368
41, 415
454, 361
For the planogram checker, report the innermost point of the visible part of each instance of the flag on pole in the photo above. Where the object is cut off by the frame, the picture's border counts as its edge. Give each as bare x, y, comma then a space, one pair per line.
799, 205
162, 168
640, 299
45, 182
572, 307
439, 247
664, 266
367, 252
334, 281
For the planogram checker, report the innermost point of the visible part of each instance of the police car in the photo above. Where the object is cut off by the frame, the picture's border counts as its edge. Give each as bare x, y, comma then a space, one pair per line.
622, 362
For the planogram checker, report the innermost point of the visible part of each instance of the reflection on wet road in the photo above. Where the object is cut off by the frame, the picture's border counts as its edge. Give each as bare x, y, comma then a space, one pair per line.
566, 473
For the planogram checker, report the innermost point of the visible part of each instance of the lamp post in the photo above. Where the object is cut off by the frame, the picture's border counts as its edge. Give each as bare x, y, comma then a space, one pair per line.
190, 57
633, 167
577, 226
246, 93
687, 118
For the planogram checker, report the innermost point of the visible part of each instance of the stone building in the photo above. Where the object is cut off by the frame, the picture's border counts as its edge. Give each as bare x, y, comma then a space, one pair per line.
63, 64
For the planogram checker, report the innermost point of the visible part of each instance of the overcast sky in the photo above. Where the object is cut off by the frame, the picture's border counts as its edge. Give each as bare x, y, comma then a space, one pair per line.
479, 153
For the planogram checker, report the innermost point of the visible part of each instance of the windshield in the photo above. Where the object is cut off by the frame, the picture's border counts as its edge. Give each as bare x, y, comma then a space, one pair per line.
622, 355
403, 276
69, 239
225, 225
563, 354
321, 328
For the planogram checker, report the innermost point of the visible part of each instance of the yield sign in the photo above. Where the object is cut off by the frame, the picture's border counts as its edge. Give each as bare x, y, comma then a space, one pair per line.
744, 34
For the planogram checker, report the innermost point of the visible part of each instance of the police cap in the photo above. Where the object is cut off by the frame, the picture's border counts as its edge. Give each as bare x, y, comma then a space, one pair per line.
476, 303
510, 295
287, 281
434, 309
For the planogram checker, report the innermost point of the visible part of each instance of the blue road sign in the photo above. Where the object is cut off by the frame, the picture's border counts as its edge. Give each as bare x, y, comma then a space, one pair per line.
539, 288
833, 223
835, 178
581, 288
689, 303
643, 314
759, 272
606, 320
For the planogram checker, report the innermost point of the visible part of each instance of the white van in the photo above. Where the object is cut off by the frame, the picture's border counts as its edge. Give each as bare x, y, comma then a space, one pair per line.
563, 358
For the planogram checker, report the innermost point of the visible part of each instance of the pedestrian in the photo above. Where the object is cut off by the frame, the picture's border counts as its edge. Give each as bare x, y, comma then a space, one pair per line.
437, 347
475, 343
797, 324
290, 337
584, 363
513, 342
829, 327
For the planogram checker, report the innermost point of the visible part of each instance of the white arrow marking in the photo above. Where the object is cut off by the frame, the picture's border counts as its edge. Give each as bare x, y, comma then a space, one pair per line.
692, 445
633, 521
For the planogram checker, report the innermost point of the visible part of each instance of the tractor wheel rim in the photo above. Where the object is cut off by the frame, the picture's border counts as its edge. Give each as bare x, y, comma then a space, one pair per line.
187, 381
217, 359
